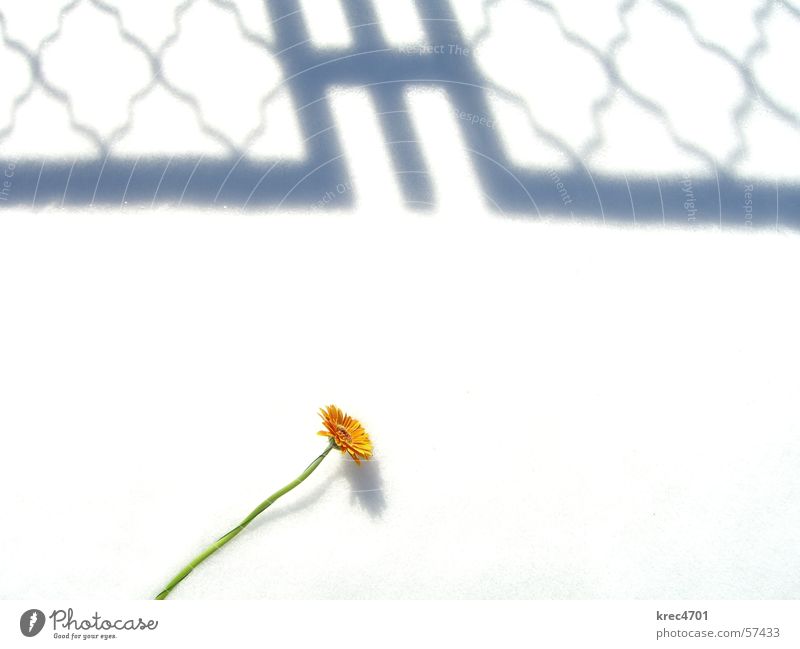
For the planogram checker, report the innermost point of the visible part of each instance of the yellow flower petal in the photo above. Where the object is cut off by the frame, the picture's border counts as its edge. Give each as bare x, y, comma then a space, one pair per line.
347, 433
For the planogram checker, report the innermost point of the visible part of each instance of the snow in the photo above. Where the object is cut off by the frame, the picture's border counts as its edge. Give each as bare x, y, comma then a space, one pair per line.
548, 256
557, 411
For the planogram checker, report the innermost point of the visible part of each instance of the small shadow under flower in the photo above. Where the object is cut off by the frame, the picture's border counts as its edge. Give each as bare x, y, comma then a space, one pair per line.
366, 490
366, 486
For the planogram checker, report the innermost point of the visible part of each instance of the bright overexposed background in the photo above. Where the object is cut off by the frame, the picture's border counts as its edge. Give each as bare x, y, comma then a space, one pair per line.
560, 408
556, 411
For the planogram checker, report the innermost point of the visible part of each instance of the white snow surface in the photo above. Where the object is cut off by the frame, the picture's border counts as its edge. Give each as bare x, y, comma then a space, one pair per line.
558, 411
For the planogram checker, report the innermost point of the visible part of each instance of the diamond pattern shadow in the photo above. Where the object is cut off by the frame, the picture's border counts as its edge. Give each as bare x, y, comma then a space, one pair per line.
239, 181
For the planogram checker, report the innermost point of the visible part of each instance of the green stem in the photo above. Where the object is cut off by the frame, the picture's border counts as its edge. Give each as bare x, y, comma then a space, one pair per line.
211, 549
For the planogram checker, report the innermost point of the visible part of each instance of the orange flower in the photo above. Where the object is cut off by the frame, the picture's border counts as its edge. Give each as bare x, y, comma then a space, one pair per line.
346, 432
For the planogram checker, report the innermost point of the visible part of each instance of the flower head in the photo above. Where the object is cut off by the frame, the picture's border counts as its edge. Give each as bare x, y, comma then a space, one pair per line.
346, 432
